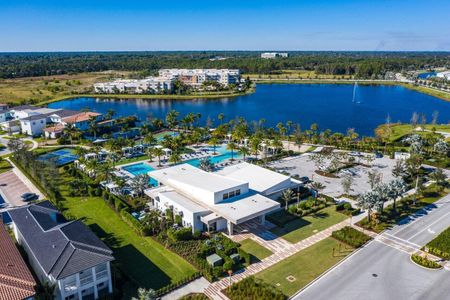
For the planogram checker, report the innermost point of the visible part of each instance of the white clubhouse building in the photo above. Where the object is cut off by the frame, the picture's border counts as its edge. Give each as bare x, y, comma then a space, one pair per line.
218, 201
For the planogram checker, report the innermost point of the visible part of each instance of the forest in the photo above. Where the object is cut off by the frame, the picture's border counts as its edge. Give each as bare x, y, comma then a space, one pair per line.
365, 65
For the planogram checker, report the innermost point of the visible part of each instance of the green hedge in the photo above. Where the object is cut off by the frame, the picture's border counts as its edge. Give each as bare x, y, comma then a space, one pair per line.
131, 221
440, 246
351, 236
253, 288
425, 262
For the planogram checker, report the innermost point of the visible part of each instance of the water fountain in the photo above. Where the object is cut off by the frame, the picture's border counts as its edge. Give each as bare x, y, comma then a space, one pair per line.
355, 86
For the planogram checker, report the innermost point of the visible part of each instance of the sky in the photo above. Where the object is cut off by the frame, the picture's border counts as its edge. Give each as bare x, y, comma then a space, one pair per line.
150, 25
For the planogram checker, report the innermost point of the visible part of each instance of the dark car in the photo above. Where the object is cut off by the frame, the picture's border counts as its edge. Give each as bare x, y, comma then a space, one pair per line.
29, 197
304, 179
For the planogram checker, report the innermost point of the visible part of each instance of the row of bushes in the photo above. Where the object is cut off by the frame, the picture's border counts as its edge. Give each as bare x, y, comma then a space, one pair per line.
425, 262
351, 236
253, 288
440, 246
296, 210
347, 209
132, 222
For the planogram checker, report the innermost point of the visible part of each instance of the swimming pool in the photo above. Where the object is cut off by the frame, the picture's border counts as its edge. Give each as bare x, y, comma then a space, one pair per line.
139, 169
60, 157
214, 159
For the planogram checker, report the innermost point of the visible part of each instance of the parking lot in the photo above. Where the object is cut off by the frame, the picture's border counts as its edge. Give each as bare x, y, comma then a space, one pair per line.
303, 166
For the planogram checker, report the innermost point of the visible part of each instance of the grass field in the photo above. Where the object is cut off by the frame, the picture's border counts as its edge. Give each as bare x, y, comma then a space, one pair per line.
256, 250
141, 258
45, 88
4, 166
304, 266
398, 131
301, 228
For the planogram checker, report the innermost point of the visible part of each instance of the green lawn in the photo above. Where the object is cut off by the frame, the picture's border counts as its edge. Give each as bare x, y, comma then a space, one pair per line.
304, 266
255, 249
398, 131
141, 258
4, 166
301, 228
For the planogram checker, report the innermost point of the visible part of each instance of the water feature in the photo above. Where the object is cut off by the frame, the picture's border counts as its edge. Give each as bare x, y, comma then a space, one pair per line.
327, 105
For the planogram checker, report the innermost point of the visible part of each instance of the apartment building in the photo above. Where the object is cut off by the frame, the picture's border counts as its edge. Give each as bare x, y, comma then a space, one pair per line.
274, 54
64, 253
134, 86
196, 77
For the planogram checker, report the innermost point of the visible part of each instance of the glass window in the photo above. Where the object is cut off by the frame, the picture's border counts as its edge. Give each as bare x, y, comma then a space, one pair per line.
238, 192
231, 194
225, 196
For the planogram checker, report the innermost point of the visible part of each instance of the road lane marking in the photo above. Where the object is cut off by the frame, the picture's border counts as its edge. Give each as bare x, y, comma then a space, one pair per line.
429, 226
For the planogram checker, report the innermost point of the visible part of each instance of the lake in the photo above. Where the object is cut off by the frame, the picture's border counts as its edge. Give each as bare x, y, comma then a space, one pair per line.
331, 106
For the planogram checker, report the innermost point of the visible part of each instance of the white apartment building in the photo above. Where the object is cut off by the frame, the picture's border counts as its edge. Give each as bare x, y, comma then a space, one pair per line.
215, 201
134, 86
64, 253
445, 75
196, 77
274, 54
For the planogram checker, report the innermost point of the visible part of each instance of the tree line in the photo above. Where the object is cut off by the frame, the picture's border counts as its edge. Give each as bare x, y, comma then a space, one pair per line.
359, 64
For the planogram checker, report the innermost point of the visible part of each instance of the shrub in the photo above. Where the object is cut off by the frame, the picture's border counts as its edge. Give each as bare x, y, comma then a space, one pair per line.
180, 234
253, 288
440, 246
425, 262
246, 256
228, 265
351, 236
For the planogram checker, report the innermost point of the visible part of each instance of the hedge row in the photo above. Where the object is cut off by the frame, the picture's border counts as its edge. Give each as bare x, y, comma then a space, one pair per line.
168, 288
440, 246
253, 288
425, 262
351, 236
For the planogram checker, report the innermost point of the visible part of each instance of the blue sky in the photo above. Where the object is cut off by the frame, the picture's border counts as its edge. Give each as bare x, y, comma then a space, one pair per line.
224, 25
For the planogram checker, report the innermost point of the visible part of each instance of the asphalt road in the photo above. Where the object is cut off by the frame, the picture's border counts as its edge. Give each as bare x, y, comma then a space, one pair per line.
383, 270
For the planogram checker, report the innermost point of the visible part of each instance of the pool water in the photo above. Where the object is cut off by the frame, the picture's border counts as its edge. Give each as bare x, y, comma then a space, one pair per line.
214, 159
60, 157
139, 169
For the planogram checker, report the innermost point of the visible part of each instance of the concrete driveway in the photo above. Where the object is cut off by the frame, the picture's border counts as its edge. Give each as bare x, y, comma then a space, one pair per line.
383, 270
12, 187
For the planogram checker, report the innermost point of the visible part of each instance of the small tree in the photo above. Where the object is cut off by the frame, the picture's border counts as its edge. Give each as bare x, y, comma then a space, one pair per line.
287, 196
374, 179
144, 294
346, 183
439, 177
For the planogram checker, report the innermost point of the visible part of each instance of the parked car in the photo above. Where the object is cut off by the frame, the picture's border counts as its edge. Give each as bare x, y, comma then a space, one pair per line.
29, 197
304, 179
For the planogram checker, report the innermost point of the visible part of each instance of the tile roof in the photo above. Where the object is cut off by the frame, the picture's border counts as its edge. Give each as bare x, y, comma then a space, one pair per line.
84, 116
61, 247
56, 128
16, 281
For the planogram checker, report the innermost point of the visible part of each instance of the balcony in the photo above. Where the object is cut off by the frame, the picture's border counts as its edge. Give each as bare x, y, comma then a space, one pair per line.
86, 280
70, 286
99, 275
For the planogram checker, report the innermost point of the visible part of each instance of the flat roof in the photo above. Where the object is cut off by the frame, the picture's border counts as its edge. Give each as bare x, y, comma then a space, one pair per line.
183, 201
260, 179
245, 208
186, 174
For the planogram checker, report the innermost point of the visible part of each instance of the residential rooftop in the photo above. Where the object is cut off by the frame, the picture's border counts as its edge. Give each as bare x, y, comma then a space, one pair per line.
61, 247
16, 280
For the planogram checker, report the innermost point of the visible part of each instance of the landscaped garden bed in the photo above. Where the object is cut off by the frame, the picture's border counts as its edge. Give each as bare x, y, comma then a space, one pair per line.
425, 262
351, 236
253, 288
440, 246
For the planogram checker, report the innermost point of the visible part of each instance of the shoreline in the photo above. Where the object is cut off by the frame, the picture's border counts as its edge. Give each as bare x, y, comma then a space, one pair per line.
445, 96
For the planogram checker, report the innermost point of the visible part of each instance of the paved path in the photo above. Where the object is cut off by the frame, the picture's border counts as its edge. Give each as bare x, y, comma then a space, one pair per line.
12, 187
214, 289
197, 286
383, 270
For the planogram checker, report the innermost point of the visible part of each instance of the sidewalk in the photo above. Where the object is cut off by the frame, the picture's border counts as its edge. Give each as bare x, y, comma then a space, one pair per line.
214, 289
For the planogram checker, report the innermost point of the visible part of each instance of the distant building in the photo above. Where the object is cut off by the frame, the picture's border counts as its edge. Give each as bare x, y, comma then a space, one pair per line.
64, 253
274, 54
16, 280
445, 75
196, 77
134, 86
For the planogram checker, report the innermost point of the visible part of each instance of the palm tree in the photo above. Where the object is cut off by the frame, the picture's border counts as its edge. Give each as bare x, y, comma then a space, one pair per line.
287, 195
144, 294
140, 183
254, 145
213, 141
149, 139
172, 118
158, 152
220, 117
206, 164
244, 151
396, 189
150, 153
232, 146
93, 127
368, 201
174, 157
